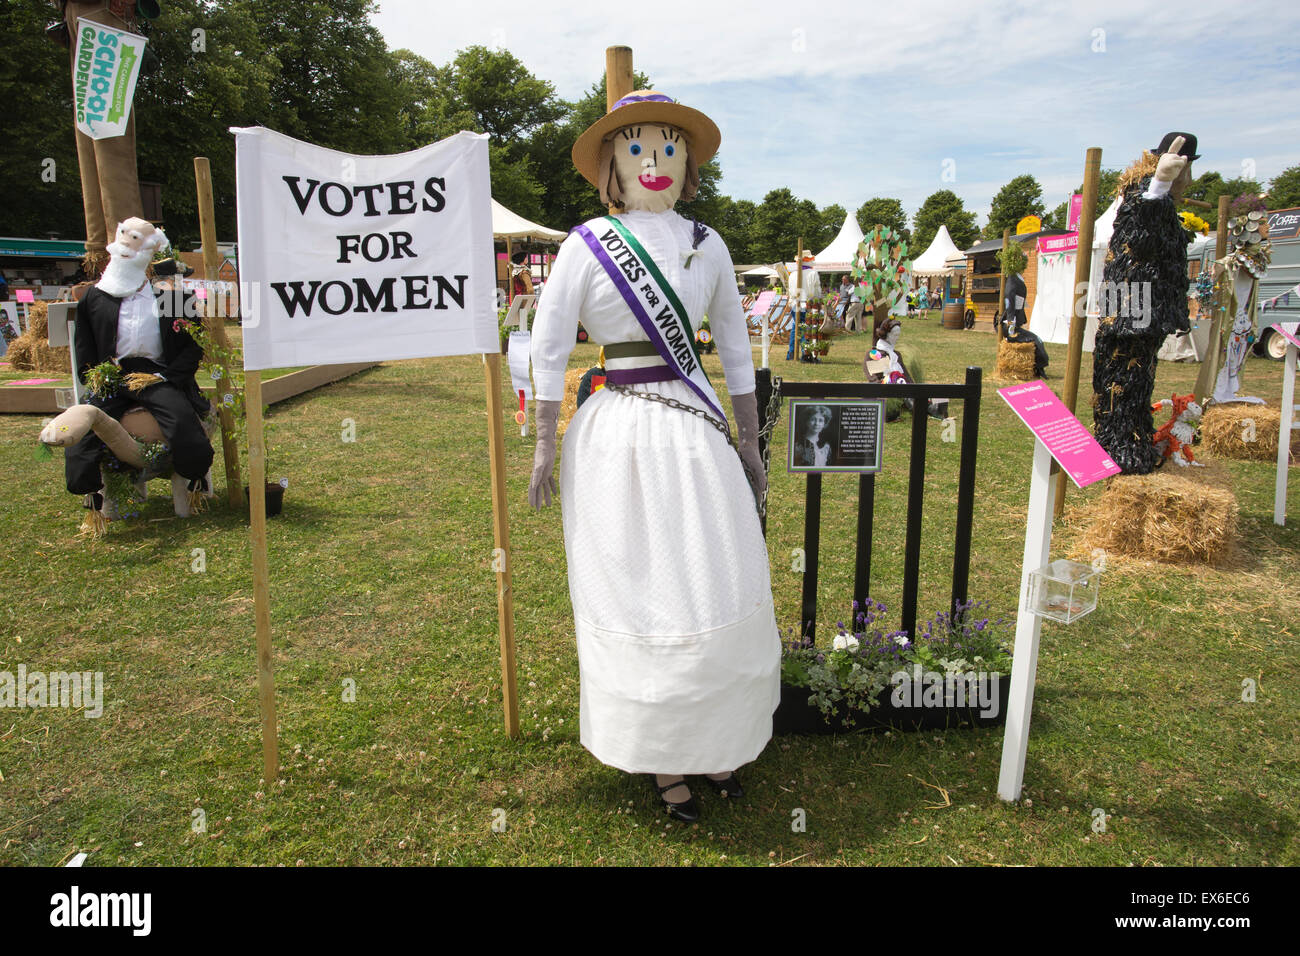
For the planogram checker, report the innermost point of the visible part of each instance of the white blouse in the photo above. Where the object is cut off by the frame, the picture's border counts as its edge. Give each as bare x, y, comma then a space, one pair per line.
579, 290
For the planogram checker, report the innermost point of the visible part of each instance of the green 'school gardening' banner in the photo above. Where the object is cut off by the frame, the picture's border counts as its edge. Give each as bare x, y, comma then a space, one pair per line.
103, 78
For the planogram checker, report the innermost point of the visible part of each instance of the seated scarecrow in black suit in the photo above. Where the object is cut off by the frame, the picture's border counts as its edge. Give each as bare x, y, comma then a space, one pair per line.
122, 319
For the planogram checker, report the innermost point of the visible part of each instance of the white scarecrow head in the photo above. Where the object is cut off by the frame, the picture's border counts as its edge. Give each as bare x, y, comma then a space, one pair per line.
130, 253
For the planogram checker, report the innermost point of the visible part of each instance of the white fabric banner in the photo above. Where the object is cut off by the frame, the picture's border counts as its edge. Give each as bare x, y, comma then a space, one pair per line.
363, 258
104, 72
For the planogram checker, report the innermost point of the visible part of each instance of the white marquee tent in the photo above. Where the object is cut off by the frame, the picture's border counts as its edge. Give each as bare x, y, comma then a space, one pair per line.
509, 225
934, 261
838, 256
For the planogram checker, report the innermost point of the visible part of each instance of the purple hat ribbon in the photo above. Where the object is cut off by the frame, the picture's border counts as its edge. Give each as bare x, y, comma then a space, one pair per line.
651, 98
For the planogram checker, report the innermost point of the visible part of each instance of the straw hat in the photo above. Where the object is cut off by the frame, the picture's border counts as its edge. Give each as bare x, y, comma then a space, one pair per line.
646, 106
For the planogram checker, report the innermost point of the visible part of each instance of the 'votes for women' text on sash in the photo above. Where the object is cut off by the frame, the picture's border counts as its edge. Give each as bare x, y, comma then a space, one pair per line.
654, 303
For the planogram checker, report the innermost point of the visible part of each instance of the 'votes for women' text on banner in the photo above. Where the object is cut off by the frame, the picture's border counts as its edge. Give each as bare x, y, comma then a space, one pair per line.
1072, 445
104, 71
363, 258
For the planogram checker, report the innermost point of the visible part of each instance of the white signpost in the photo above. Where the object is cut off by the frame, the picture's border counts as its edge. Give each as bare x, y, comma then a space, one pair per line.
1291, 332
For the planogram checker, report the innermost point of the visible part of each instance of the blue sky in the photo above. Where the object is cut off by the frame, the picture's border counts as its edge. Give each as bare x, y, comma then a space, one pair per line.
844, 101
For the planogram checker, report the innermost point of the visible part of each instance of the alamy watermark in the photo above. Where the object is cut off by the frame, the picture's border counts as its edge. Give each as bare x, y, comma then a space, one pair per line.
921, 688
74, 689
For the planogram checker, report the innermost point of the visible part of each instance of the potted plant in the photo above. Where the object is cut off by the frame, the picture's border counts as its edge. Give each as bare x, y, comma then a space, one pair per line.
955, 672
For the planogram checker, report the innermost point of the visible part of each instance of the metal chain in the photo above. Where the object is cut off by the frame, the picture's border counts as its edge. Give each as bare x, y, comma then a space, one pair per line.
765, 439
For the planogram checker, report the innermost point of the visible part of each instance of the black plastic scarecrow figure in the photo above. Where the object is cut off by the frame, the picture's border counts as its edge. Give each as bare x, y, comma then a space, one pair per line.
1143, 299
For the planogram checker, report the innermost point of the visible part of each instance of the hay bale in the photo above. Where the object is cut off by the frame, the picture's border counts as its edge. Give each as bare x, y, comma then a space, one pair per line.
1244, 432
1173, 515
31, 351
1016, 361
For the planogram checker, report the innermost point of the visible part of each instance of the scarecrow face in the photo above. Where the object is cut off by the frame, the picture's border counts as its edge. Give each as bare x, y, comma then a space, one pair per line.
131, 237
650, 162
1182, 182
894, 335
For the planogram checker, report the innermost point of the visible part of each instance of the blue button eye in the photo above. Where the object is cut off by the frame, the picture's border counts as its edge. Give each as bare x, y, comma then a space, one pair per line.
635, 149
668, 150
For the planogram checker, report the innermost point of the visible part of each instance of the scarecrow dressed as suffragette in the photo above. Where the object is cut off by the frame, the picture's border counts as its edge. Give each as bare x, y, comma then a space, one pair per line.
1143, 299
678, 646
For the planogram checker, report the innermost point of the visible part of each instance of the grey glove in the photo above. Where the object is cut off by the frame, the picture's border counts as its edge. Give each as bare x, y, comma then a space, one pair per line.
746, 409
542, 485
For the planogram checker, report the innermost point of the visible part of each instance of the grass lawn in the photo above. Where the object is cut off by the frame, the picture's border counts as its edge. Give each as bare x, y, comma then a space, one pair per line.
380, 574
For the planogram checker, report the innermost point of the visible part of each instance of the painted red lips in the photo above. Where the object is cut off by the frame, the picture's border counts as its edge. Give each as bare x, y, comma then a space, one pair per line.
657, 183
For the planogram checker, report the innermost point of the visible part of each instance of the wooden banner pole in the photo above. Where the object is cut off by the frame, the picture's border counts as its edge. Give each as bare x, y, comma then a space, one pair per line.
1079, 297
1002, 289
216, 327
618, 84
1205, 378
261, 584
501, 539
1284, 435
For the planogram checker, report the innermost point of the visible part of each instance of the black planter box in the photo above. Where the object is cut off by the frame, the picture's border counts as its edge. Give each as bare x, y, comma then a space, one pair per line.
274, 498
795, 715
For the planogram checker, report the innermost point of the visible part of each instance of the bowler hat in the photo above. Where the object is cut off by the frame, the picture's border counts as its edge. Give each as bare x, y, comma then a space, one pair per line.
1189, 145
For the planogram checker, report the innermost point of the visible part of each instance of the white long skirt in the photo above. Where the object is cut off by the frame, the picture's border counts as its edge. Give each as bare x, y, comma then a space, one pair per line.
678, 647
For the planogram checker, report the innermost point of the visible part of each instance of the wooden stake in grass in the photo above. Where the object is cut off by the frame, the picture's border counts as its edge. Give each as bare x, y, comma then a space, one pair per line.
261, 583
217, 329
618, 83
501, 540
1079, 300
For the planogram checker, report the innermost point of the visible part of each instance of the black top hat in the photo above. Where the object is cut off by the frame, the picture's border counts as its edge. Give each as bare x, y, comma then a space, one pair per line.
1189, 145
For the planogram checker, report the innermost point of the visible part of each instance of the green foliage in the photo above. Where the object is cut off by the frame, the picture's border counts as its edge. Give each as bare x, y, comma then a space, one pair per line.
1209, 186
944, 208
1013, 259
34, 75
1021, 197
884, 212
1284, 190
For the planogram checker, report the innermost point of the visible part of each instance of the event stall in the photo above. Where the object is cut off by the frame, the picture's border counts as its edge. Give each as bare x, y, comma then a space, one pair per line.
983, 275
509, 226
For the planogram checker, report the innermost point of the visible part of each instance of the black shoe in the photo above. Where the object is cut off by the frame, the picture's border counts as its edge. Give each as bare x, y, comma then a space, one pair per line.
729, 788
686, 811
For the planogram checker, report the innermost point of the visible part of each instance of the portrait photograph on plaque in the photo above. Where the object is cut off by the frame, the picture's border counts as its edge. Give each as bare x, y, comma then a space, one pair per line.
829, 435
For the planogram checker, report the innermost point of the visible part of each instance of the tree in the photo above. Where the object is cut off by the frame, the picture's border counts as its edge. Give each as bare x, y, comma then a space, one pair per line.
1021, 197
943, 208
884, 212
1209, 186
1284, 190
38, 157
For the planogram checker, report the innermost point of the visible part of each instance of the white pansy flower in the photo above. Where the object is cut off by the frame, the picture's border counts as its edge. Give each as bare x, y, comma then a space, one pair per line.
841, 642
851, 640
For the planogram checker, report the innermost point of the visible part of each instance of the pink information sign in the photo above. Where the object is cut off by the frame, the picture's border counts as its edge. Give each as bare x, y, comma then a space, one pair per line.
24, 295
1289, 331
1052, 423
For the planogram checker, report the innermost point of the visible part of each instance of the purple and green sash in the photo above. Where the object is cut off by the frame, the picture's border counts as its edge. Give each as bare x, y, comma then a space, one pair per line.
653, 302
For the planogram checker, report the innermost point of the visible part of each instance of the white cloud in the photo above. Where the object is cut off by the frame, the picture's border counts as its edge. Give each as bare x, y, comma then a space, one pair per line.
871, 98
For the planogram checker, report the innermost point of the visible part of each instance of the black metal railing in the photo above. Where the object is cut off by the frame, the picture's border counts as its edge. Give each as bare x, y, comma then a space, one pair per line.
921, 395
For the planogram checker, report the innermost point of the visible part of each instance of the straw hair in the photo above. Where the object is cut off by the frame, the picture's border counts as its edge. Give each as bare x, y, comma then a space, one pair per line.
1174, 515
701, 133
1244, 432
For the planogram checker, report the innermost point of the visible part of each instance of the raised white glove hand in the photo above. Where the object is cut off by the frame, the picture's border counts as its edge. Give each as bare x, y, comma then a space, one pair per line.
1171, 164
746, 409
542, 484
